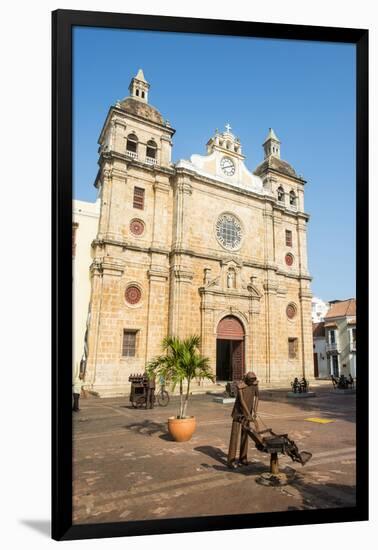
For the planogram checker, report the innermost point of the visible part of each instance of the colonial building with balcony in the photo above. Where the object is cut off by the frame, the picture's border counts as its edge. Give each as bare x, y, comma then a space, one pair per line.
340, 336
201, 246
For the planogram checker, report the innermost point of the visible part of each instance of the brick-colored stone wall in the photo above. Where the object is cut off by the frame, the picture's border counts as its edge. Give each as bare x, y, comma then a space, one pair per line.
181, 270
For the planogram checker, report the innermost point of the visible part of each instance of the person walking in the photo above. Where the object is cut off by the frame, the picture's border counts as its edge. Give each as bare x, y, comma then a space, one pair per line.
245, 408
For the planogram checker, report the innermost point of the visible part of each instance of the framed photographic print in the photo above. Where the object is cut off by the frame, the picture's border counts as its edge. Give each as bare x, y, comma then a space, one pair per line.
210, 185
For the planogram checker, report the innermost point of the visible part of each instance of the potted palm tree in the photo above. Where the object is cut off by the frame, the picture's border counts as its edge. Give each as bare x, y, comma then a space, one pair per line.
181, 364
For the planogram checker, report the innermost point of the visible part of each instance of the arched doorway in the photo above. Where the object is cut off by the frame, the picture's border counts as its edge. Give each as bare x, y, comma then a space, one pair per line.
230, 349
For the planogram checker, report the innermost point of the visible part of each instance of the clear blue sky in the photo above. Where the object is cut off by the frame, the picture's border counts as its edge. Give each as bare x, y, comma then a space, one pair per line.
304, 90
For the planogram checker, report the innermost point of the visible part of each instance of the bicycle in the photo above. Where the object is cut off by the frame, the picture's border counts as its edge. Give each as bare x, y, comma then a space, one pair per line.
138, 396
162, 396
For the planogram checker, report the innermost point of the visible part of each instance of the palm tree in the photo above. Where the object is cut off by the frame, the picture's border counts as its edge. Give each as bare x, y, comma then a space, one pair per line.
181, 363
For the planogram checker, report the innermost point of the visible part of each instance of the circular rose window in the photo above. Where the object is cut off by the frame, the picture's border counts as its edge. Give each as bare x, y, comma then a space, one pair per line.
289, 259
133, 294
229, 231
291, 311
137, 227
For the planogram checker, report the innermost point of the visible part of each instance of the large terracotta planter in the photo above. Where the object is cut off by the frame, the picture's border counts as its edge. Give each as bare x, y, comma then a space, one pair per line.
181, 429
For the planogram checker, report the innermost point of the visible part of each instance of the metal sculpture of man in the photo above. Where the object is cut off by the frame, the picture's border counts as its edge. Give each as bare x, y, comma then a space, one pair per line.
150, 393
245, 408
267, 441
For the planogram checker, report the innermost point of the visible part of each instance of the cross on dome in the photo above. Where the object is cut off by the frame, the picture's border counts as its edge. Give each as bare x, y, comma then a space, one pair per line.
228, 127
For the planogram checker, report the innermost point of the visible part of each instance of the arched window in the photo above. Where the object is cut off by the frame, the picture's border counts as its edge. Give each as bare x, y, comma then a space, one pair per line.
292, 199
142, 95
280, 194
132, 144
137, 92
151, 149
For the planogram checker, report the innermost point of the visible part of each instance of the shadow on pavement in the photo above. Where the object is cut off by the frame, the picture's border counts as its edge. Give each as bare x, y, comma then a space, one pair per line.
333, 495
147, 427
253, 467
213, 452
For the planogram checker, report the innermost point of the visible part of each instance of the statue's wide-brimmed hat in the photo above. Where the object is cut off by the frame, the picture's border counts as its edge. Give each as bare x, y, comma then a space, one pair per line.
251, 375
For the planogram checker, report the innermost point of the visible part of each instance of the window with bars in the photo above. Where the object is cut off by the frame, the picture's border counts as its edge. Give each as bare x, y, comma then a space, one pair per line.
138, 201
129, 343
281, 194
151, 149
289, 238
132, 143
293, 348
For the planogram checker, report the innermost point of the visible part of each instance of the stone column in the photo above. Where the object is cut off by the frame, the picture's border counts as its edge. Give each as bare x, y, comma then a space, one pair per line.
208, 334
180, 299
254, 311
269, 252
305, 296
116, 207
108, 344
104, 345
166, 149
270, 288
160, 219
106, 192
180, 269
182, 214
94, 322
157, 319
302, 245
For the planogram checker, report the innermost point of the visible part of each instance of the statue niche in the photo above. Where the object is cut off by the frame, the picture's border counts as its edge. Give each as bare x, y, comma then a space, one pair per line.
231, 278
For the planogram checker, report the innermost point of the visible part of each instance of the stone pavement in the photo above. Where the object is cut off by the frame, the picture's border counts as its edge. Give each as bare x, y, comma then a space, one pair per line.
127, 468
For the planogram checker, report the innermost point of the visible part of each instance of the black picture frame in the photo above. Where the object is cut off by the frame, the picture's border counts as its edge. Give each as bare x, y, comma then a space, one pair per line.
63, 22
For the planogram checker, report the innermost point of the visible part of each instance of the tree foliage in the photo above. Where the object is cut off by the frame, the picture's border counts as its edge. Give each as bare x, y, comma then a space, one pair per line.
180, 365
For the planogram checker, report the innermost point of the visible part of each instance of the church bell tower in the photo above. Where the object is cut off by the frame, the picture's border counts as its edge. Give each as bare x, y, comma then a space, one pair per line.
139, 87
272, 145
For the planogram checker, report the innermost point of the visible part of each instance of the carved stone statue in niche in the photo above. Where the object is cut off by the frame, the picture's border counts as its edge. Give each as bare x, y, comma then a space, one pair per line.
231, 278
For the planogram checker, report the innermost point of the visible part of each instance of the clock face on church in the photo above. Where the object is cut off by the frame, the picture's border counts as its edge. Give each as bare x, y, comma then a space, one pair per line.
229, 231
228, 167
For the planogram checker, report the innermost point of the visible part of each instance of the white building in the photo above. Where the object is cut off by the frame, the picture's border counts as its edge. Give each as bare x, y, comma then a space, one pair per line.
340, 333
84, 229
319, 309
321, 369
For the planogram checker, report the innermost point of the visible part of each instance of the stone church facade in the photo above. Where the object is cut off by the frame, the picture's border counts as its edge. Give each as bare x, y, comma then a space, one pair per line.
197, 247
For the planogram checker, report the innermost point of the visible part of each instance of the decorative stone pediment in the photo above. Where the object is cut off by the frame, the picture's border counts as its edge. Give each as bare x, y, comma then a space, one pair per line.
229, 282
224, 162
253, 290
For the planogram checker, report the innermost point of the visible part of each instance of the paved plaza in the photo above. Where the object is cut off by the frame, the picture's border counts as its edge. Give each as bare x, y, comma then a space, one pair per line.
126, 467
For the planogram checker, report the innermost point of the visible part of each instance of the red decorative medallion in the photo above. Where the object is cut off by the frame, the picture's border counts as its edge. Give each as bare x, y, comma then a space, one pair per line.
289, 259
291, 311
137, 227
133, 294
